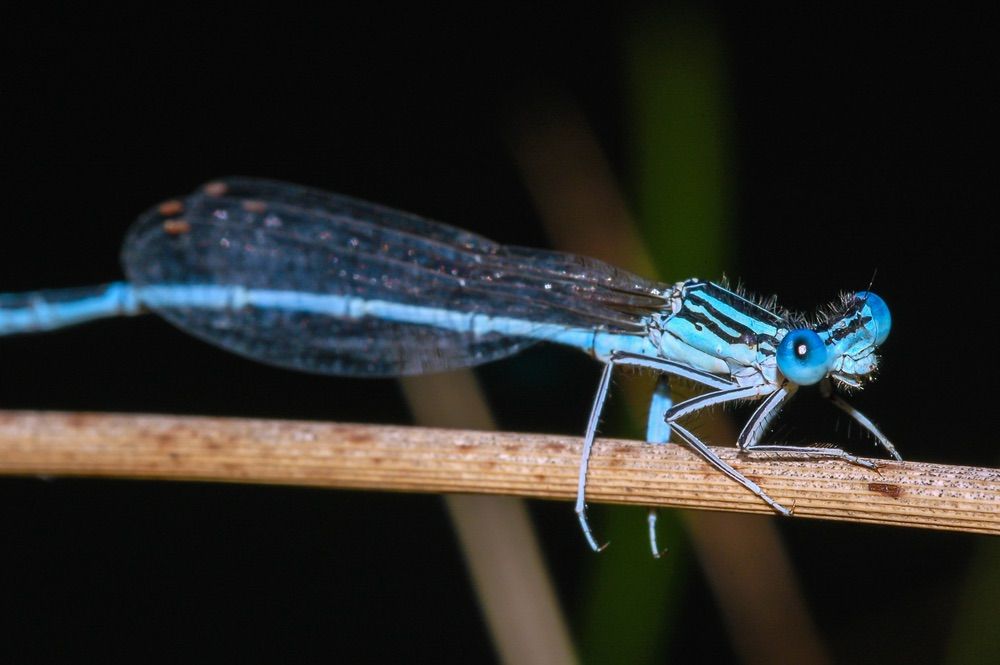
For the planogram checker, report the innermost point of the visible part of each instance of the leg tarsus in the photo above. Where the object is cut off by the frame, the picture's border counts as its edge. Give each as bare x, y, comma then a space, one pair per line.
587, 533
808, 452
651, 519
826, 389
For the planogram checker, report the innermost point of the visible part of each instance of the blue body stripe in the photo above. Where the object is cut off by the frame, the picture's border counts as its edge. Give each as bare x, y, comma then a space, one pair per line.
118, 299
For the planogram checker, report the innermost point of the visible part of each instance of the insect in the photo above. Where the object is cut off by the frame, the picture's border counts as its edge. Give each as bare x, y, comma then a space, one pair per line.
324, 283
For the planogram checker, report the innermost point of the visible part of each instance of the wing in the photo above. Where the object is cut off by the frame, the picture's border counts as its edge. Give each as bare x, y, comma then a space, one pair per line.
261, 234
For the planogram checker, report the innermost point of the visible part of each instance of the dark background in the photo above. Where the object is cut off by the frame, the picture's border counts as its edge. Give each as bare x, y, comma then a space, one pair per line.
860, 141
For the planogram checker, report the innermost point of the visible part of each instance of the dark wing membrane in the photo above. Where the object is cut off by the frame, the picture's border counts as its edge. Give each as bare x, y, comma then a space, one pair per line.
260, 234
564, 278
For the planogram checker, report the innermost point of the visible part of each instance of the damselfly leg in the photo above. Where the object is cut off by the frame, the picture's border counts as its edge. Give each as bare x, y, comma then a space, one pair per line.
827, 391
658, 432
716, 398
633, 360
748, 441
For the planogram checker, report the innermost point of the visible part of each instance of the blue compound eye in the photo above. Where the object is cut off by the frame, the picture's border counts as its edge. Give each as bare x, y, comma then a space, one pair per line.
879, 313
802, 357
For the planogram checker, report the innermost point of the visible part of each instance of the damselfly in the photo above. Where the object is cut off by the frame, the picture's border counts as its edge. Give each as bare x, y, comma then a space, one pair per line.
319, 282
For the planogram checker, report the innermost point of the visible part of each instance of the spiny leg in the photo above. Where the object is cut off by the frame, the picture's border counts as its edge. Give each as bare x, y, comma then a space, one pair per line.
635, 360
749, 439
658, 432
588, 443
711, 399
827, 391
657, 427
672, 368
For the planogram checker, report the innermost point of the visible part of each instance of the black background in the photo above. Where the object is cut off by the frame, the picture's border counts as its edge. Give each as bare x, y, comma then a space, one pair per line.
862, 141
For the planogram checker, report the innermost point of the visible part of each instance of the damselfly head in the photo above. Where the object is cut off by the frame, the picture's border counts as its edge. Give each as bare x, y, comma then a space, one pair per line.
842, 346
853, 337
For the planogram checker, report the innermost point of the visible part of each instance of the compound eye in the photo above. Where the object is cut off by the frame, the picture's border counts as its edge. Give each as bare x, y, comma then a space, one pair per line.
802, 357
880, 314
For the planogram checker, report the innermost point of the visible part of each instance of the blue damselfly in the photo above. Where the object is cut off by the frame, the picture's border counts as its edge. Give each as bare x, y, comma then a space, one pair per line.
323, 283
